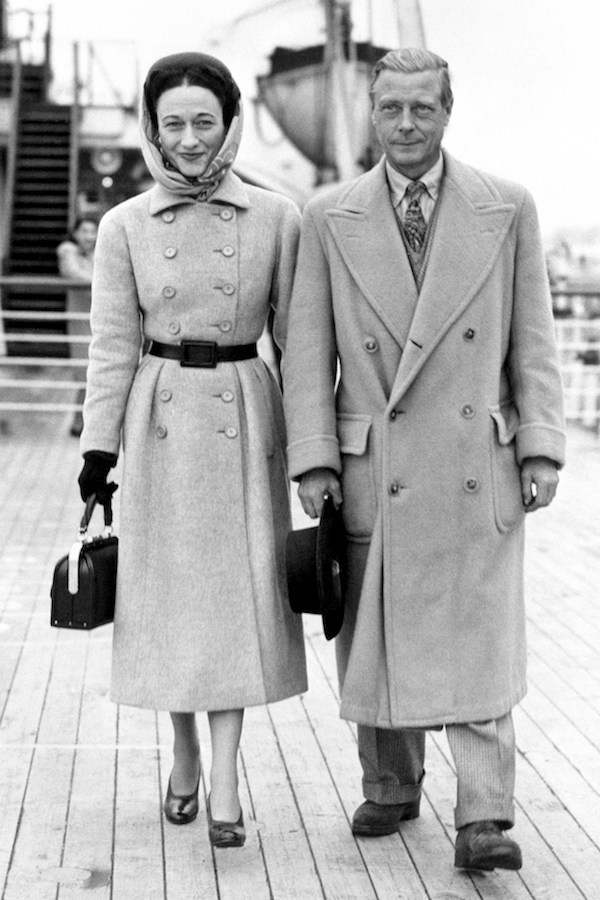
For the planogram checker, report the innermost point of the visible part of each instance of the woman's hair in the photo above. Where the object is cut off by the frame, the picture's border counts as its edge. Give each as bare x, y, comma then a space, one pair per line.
79, 221
197, 69
415, 59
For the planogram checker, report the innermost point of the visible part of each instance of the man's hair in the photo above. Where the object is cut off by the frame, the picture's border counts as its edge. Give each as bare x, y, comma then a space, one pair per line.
415, 59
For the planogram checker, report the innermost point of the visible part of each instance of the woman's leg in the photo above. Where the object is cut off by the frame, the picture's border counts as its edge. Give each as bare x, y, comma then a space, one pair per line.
186, 754
225, 732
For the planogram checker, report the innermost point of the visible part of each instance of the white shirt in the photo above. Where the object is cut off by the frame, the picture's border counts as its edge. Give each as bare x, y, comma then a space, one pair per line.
432, 179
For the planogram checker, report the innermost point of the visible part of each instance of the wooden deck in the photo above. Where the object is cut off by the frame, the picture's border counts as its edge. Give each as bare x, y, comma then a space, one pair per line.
81, 781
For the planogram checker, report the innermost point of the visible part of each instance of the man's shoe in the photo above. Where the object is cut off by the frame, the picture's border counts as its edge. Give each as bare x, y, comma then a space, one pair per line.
483, 845
376, 819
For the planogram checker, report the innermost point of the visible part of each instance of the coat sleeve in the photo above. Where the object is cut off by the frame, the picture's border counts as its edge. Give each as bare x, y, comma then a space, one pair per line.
116, 338
310, 360
288, 234
533, 359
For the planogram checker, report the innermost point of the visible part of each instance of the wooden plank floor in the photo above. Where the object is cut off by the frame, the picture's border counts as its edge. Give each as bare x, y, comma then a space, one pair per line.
81, 781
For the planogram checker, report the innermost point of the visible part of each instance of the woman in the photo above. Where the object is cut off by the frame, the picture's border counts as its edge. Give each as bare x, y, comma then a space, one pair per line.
76, 260
193, 267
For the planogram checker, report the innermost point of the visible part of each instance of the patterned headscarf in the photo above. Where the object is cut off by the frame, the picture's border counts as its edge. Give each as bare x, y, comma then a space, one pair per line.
161, 169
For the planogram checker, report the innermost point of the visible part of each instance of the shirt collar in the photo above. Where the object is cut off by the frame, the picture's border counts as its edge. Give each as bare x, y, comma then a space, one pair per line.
432, 179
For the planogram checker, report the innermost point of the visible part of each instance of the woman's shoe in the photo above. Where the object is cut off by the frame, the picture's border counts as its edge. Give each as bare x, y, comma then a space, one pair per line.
225, 834
181, 809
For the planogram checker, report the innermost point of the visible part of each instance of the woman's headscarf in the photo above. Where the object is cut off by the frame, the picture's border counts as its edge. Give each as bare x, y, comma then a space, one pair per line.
216, 77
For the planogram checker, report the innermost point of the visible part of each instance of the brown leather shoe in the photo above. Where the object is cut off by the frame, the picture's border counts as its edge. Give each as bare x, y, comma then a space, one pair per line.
483, 845
376, 819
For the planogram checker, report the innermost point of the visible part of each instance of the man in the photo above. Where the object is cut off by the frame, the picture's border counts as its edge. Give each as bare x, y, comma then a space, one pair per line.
422, 391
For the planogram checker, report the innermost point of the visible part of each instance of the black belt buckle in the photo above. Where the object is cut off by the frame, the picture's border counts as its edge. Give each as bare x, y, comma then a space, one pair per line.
199, 354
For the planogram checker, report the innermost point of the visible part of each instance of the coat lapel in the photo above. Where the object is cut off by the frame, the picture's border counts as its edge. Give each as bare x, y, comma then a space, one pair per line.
365, 229
471, 228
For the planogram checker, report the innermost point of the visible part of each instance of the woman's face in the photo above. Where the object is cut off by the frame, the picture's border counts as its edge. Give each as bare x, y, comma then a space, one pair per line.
85, 235
190, 127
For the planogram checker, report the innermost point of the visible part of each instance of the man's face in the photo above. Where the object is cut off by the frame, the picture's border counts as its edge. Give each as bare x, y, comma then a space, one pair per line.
409, 120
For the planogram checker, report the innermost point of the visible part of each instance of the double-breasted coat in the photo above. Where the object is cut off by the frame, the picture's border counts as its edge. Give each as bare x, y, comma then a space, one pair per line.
202, 620
426, 404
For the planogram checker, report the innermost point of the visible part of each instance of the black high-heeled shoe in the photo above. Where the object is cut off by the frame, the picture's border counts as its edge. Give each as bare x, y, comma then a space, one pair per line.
225, 834
180, 809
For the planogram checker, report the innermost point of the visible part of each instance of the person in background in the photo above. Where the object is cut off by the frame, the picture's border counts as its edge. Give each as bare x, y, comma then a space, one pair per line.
422, 391
75, 258
191, 269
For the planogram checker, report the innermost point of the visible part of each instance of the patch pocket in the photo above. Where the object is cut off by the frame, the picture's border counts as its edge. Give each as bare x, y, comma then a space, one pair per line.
506, 475
358, 481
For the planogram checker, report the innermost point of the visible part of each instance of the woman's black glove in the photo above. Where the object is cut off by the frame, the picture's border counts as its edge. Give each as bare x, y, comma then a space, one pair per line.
92, 478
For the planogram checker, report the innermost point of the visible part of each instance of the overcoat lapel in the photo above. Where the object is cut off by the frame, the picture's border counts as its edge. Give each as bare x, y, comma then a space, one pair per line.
365, 229
471, 227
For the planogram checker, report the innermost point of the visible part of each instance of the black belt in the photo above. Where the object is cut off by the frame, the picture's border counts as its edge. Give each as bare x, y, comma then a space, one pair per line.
202, 354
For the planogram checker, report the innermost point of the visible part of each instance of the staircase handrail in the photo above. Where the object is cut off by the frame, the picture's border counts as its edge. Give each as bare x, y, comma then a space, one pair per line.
12, 152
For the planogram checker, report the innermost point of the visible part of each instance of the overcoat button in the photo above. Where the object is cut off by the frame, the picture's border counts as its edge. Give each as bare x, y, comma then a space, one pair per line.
225, 326
165, 395
394, 487
370, 345
228, 289
469, 334
161, 431
393, 414
227, 396
471, 485
169, 291
230, 432
170, 252
174, 327
467, 411
168, 216
228, 250
226, 214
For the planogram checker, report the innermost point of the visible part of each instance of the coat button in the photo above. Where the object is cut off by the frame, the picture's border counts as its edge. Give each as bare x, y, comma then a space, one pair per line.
394, 487
168, 216
169, 291
228, 250
161, 431
170, 252
469, 334
174, 327
370, 345
471, 485
467, 411
226, 325
231, 432
226, 214
227, 396
228, 289
165, 395
393, 414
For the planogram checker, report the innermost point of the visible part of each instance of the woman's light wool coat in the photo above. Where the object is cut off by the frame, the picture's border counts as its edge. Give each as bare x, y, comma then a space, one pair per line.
202, 619
439, 399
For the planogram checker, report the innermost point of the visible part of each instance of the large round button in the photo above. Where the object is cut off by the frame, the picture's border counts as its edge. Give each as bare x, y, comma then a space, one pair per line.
165, 395
226, 214
370, 345
168, 216
471, 485
161, 431
225, 325
228, 250
174, 327
228, 289
394, 487
230, 431
469, 334
170, 252
169, 291
467, 411
227, 396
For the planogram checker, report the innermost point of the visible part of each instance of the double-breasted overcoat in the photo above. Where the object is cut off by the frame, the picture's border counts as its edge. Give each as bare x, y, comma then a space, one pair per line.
426, 404
202, 620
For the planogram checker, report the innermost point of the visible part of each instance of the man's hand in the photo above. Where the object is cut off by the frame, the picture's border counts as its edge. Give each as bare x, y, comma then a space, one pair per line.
313, 487
539, 480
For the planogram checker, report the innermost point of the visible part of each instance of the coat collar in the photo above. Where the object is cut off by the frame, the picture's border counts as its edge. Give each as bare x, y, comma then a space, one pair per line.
230, 191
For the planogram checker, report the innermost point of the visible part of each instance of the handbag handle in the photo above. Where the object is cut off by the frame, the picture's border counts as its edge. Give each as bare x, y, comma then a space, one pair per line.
89, 509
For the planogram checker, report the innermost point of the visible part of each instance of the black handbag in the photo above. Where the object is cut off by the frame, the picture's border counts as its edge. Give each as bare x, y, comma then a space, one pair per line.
85, 580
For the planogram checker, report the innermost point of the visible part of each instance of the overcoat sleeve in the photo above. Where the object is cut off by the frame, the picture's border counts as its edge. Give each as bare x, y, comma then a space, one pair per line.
532, 359
311, 357
116, 338
288, 234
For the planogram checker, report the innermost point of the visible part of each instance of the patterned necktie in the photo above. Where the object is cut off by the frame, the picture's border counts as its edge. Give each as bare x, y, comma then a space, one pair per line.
415, 225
